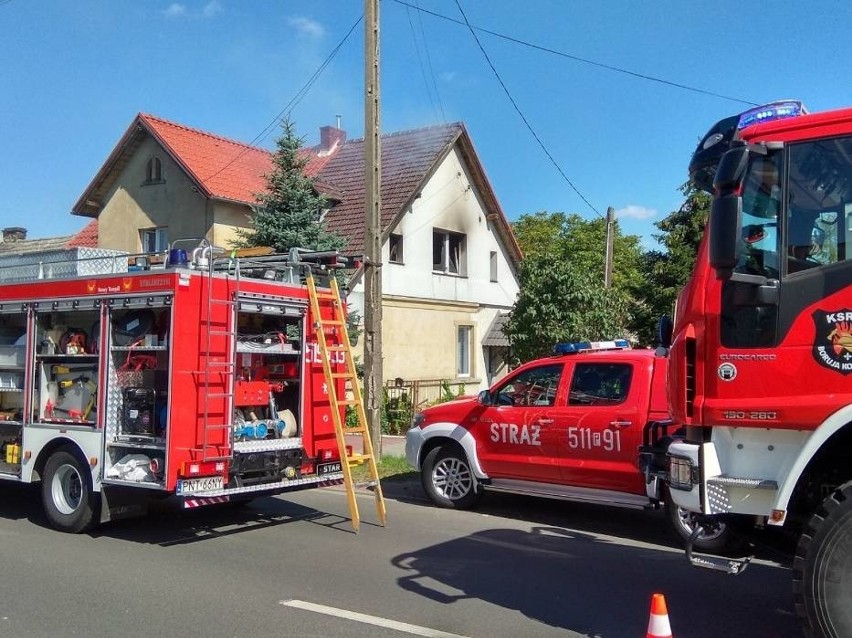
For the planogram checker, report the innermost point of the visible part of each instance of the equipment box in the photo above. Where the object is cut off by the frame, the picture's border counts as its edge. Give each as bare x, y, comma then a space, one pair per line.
138, 417
10, 380
11, 356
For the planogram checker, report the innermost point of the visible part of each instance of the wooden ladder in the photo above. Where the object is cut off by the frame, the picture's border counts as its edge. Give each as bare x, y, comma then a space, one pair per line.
337, 326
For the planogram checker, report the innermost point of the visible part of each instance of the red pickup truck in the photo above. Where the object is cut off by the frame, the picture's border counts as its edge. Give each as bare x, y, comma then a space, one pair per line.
568, 426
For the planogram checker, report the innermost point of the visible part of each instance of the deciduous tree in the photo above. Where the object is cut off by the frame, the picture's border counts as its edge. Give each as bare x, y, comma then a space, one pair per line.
559, 301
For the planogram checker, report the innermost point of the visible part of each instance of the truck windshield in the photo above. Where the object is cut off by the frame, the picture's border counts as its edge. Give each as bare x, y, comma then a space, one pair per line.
819, 203
802, 215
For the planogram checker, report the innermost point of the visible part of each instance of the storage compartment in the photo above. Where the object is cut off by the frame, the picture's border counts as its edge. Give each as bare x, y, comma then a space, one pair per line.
68, 389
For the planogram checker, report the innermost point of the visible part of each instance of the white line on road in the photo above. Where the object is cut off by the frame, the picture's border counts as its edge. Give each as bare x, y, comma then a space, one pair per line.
369, 620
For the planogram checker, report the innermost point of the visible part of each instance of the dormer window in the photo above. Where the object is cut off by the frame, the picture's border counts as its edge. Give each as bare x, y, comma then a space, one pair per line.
154, 171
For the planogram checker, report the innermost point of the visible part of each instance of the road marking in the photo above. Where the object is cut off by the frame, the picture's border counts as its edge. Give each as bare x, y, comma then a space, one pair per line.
414, 630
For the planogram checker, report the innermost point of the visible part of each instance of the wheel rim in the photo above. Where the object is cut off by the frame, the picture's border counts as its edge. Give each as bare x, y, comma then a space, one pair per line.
711, 528
67, 489
452, 478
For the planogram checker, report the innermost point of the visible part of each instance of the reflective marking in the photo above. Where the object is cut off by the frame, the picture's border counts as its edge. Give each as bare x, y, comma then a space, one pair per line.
369, 620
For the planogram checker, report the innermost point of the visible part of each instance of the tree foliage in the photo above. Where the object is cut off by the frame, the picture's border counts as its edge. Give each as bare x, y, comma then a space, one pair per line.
562, 295
667, 271
288, 213
583, 243
560, 301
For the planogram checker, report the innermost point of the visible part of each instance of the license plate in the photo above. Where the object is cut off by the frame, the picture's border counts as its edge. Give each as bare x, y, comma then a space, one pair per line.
190, 486
329, 468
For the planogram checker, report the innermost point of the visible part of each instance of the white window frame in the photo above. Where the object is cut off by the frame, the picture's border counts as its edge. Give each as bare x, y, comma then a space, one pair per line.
160, 237
464, 350
396, 239
445, 265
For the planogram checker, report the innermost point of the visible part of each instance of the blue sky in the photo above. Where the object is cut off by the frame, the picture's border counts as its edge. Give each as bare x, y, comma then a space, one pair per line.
74, 75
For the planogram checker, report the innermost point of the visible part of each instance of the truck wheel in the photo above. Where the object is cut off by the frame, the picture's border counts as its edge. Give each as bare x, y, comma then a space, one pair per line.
448, 480
717, 537
66, 493
822, 569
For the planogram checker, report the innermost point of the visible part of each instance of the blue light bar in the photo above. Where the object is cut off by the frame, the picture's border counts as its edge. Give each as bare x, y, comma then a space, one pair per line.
583, 346
772, 111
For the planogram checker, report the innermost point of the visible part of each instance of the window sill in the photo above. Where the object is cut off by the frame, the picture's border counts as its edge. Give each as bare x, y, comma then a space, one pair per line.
153, 183
449, 274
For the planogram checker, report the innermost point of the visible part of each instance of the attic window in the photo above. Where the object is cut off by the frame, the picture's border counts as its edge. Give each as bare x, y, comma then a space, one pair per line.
154, 171
395, 249
449, 252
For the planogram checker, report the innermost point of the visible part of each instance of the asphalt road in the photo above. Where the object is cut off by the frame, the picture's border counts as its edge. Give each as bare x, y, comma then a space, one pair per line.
516, 567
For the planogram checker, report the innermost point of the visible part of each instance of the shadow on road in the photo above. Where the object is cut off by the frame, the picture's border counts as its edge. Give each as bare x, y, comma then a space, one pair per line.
166, 524
571, 580
643, 525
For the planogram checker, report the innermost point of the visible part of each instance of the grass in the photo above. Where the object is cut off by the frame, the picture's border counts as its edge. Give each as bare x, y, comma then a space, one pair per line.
389, 467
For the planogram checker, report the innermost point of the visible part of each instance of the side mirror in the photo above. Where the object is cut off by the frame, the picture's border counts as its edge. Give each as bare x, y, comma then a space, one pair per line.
484, 397
664, 331
725, 223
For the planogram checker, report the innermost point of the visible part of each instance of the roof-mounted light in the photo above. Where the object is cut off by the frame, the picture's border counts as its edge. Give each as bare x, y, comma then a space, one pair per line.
773, 111
583, 346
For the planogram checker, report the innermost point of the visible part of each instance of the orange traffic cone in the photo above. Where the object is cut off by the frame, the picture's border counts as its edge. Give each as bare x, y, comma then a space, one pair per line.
658, 625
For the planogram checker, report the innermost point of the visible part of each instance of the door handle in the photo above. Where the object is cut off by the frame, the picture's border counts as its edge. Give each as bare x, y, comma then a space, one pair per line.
544, 421
620, 424
484, 420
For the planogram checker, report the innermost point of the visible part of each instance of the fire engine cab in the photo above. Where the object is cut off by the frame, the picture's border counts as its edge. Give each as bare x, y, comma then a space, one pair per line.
569, 426
200, 380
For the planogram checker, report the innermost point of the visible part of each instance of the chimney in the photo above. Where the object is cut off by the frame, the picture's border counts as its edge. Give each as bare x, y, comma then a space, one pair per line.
14, 233
331, 138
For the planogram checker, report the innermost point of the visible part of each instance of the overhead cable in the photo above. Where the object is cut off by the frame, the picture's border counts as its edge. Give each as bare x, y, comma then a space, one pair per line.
609, 67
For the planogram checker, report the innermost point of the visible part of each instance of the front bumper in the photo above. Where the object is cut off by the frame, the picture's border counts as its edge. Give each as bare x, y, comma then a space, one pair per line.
413, 444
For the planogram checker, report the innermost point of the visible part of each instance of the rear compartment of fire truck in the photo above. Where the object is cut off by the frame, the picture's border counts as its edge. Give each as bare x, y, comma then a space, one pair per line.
194, 388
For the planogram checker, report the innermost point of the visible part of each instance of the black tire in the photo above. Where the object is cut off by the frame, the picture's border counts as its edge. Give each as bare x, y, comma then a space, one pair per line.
822, 569
69, 502
718, 535
448, 480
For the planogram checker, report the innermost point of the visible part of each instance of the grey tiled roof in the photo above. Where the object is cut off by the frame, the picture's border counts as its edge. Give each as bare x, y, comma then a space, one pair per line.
495, 337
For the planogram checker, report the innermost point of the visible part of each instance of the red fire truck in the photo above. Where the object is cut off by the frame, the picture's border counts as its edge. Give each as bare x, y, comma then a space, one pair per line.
568, 426
202, 380
761, 354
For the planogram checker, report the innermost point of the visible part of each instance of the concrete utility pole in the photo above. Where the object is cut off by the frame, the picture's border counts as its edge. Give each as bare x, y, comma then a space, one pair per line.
373, 238
610, 238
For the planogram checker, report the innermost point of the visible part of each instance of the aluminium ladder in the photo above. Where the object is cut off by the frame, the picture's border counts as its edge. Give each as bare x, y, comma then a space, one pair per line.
219, 361
337, 325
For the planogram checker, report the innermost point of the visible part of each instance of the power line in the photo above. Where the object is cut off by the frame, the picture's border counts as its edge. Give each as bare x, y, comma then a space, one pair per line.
300, 94
523, 117
420, 61
429, 62
609, 67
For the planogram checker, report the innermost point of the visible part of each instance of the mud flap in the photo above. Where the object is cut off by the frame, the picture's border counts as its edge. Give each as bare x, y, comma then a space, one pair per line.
118, 503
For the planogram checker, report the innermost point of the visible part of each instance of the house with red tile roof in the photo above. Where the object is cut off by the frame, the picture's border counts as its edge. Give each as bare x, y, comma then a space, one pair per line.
449, 256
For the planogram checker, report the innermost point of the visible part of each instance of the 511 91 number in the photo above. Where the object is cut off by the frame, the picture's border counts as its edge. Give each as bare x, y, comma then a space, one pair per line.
586, 439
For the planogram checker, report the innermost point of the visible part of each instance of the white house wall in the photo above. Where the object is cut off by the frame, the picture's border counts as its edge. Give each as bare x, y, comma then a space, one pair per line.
421, 309
449, 202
